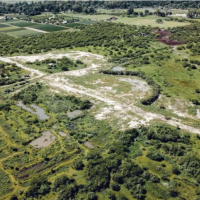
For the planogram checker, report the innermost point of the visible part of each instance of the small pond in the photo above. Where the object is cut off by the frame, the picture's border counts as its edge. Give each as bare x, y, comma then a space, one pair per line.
117, 69
74, 114
39, 111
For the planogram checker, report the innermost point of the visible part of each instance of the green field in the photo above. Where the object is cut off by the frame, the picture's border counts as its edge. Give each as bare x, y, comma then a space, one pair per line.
72, 25
4, 25
148, 20
12, 30
23, 24
8, 28
21, 33
48, 28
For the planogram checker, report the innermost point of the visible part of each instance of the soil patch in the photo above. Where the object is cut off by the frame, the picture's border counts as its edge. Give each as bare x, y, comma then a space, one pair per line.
164, 38
89, 145
45, 140
75, 114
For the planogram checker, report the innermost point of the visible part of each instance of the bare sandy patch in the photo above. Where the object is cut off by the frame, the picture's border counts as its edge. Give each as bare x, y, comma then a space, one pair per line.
32, 71
64, 134
89, 145
116, 106
137, 85
45, 140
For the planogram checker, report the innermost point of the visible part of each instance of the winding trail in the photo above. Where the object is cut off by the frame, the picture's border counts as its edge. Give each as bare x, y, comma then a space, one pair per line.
148, 116
33, 71
58, 82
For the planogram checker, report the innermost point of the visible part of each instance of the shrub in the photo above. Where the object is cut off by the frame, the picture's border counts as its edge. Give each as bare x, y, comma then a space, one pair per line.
115, 187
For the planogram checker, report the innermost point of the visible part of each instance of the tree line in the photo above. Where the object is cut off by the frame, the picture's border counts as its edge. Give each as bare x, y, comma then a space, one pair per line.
36, 8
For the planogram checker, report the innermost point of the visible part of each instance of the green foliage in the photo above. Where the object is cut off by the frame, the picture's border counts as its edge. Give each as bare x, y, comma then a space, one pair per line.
38, 186
154, 155
92, 196
105, 34
78, 164
5, 184
53, 66
11, 73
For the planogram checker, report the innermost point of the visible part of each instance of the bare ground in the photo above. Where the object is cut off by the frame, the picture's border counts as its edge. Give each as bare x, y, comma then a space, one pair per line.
128, 114
34, 29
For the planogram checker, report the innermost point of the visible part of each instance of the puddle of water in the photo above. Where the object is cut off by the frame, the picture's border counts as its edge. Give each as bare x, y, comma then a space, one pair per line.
118, 69
39, 111
74, 114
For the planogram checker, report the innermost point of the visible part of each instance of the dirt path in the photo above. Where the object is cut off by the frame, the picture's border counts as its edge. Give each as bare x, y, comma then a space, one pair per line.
37, 30
58, 82
62, 84
33, 71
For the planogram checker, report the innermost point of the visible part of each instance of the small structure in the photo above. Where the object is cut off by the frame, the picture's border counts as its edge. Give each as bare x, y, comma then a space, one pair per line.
50, 65
64, 22
112, 18
27, 75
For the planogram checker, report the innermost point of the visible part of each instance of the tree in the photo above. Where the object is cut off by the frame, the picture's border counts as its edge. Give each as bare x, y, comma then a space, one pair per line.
130, 11
92, 196
159, 21
115, 186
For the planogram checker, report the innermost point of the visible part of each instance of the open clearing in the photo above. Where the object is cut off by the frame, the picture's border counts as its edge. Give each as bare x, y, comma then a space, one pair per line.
117, 107
45, 140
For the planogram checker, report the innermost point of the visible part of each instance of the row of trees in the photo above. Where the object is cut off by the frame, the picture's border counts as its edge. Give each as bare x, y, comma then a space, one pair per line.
193, 13
101, 34
35, 8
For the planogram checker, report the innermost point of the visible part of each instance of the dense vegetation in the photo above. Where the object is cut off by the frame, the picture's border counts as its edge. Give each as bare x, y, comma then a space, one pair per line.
101, 34
153, 162
35, 8
53, 65
11, 73
130, 164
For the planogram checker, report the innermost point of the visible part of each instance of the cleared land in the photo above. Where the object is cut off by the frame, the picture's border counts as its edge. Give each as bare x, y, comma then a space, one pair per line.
148, 20
45, 140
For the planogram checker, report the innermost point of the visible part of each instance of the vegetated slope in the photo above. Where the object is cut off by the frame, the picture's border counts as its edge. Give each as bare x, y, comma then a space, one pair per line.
149, 162
11, 73
101, 34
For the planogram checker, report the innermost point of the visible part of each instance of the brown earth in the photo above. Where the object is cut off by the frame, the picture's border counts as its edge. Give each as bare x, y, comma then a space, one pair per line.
164, 38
